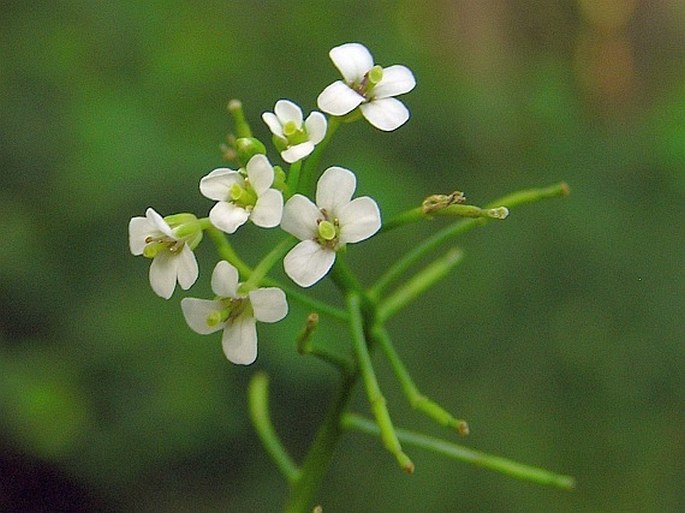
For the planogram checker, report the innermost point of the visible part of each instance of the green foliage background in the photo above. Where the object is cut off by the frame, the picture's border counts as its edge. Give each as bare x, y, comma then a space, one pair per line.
560, 339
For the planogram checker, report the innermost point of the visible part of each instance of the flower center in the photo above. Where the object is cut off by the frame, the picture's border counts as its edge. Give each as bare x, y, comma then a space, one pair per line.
244, 197
369, 81
232, 308
294, 133
153, 245
328, 231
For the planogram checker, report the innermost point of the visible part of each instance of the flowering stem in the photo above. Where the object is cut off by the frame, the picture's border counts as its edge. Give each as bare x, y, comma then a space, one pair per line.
306, 183
449, 232
416, 399
417, 285
373, 391
459, 452
258, 401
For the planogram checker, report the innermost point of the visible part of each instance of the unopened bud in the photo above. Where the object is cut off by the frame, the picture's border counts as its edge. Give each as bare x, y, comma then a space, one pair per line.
248, 147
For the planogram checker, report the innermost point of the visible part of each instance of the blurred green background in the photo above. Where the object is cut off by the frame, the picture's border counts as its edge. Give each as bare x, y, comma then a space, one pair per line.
560, 339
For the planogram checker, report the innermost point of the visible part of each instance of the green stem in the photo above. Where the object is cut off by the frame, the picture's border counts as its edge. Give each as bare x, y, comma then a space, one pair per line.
449, 232
227, 252
316, 305
258, 401
242, 127
305, 346
264, 266
373, 391
293, 177
416, 399
419, 283
459, 452
313, 470
306, 183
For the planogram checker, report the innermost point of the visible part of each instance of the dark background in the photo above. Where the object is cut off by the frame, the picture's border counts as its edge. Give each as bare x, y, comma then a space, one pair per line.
560, 338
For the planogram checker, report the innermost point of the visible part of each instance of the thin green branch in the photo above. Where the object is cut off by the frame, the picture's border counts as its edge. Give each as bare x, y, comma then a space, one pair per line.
293, 178
264, 266
258, 401
306, 181
416, 399
316, 305
419, 283
242, 127
227, 252
373, 391
305, 346
465, 454
448, 233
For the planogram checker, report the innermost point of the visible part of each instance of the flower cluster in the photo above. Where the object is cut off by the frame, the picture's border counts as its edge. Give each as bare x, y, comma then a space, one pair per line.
257, 192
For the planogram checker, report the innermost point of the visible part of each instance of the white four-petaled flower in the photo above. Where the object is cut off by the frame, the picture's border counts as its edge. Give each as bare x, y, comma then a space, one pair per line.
234, 312
367, 86
296, 139
170, 246
326, 227
243, 195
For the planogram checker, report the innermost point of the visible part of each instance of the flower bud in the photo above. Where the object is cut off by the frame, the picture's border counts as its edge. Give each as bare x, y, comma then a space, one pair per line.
248, 147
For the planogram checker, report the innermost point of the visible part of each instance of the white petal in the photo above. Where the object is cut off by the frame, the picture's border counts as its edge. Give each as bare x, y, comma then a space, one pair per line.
239, 340
158, 222
353, 60
268, 304
308, 262
300, 217
297, 152
359, 220
186, 267
196, 312
260, 173
288, 111
396, 80
227, 217
338, 99
335, 189
139, 228
316, 127
272, 122
216, 184
225, 280
268, 210
386, 114
163, 274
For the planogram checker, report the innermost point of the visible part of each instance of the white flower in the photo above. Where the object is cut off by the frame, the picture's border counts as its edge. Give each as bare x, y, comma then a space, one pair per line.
235, 313
243, 195
326, 227
294, 138
367, 86
170, 246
